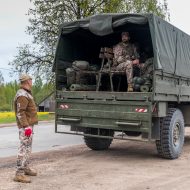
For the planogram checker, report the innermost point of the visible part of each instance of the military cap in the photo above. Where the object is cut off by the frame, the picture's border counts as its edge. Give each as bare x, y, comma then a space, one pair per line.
24, 77
125, 33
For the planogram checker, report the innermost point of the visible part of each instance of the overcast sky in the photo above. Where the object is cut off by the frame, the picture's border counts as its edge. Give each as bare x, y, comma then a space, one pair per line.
13, 22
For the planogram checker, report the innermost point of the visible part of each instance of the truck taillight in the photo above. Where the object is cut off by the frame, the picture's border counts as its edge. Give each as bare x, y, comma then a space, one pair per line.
141, 110
64, 106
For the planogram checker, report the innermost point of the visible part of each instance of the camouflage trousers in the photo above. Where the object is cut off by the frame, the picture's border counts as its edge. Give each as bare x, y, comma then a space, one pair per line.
126, 66
24, 151
147, 68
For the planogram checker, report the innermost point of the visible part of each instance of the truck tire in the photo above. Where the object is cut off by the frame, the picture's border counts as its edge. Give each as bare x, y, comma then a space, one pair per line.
171, 140
96, 143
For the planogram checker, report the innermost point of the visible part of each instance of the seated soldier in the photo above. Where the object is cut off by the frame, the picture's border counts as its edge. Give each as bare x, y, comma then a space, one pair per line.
147, 68
146, 65
125, 56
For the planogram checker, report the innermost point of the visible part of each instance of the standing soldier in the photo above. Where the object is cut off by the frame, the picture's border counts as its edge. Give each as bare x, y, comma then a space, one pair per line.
125, 56
26, 117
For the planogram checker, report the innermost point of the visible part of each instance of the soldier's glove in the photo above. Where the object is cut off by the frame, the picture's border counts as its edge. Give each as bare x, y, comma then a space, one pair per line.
135, 62
28, 131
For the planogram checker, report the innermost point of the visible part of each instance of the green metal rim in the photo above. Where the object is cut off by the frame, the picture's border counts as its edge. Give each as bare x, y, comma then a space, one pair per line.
176, 134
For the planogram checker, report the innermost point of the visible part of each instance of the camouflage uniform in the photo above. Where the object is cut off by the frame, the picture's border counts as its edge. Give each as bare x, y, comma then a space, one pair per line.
124, 53
147, 68
24, 151
26, 116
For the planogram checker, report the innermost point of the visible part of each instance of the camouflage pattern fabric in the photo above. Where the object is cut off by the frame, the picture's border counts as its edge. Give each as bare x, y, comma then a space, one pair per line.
147, 68
126, 66
124, 53
24, 151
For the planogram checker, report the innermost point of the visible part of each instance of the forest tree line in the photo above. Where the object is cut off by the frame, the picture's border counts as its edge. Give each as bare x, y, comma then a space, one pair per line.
8, 90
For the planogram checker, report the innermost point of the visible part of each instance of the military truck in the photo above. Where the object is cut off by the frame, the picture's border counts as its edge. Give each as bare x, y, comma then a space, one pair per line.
102, 109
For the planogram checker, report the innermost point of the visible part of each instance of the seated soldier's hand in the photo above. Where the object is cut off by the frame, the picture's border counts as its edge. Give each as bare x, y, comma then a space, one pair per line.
135, 62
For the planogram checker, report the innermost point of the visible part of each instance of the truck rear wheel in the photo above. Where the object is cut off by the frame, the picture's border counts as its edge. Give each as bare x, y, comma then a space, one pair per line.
171, 140
96, 143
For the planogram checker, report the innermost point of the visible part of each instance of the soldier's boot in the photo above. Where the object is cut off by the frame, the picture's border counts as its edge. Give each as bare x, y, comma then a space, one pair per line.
30, 172
21, 178
130, 88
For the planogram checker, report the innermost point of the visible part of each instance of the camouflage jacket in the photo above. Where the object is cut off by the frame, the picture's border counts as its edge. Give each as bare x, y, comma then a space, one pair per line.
25, 108
147, 68
123, 52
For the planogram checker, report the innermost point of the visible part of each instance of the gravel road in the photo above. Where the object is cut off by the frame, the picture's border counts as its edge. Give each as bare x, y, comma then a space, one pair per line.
126, 165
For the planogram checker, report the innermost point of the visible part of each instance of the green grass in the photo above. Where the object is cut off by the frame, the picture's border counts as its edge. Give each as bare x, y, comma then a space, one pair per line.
7, 120
46, 117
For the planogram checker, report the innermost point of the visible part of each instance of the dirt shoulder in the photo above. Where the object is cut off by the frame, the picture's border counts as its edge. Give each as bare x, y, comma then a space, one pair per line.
126, 165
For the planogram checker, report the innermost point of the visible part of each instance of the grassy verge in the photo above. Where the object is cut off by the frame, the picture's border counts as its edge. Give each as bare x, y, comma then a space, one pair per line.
9, 117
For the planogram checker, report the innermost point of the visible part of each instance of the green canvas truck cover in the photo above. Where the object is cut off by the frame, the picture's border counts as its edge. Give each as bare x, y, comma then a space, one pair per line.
171, 46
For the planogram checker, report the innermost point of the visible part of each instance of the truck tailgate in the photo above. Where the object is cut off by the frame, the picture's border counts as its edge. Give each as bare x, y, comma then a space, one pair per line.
108, 110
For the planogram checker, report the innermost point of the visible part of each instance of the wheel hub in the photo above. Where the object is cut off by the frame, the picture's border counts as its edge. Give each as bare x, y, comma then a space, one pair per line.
176, 134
